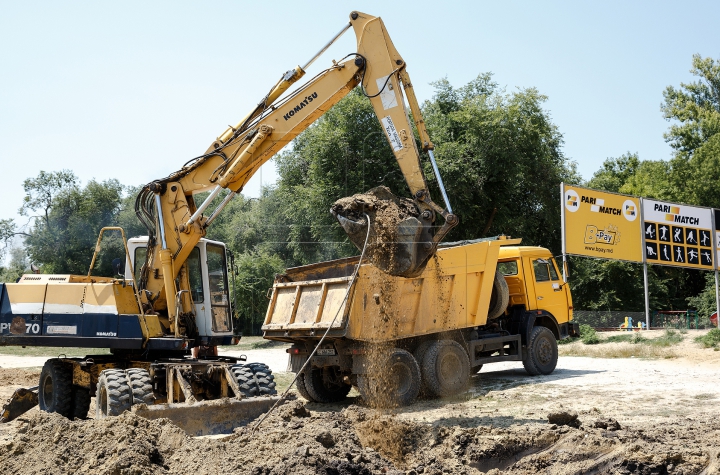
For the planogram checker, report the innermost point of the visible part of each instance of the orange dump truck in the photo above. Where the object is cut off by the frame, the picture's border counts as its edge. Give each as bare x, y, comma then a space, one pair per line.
477, 302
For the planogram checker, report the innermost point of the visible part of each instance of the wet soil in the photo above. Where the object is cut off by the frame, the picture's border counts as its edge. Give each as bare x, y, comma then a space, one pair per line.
396, 228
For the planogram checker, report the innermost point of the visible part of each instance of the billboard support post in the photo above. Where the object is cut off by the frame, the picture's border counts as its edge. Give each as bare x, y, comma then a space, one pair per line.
647, 296
562, 229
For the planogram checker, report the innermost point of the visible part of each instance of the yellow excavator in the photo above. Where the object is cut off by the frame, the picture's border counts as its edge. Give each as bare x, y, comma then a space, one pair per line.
172, 295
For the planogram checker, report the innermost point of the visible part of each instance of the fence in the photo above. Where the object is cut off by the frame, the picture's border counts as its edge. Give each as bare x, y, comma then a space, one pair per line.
687, 319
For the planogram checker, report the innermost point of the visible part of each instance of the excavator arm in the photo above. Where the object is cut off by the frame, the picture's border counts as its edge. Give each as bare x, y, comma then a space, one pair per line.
176, 224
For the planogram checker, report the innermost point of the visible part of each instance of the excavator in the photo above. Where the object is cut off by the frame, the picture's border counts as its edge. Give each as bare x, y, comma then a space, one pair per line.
172, 295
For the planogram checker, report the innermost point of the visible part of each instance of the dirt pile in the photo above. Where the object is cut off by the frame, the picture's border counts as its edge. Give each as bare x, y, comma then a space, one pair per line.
25, 377
397, 232
356, 440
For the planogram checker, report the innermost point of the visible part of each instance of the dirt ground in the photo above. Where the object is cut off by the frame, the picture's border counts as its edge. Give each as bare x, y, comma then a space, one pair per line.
607, 415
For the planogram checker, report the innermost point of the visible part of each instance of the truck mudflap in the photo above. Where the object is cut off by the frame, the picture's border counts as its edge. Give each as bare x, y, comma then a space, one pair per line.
219, 416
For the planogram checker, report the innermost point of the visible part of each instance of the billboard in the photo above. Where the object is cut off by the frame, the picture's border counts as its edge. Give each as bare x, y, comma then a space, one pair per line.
678, 235
601, 224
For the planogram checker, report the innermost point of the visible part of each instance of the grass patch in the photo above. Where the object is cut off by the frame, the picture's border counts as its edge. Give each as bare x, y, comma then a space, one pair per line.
627, 338
618, 350
52, 351
711, 339
670, 338
588, 335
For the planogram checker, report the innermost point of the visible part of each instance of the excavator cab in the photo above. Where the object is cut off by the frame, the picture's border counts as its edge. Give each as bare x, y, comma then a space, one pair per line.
209, 290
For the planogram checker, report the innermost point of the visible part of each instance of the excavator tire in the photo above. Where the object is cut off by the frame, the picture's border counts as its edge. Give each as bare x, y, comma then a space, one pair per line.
80, 402
541, 354
114, 395
500, 296
446, 368
55, 391
254, 379
397, 385
141, 386
324, 385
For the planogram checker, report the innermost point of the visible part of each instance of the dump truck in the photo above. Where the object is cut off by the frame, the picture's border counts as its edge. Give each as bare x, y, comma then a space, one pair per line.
173, 296
476, 303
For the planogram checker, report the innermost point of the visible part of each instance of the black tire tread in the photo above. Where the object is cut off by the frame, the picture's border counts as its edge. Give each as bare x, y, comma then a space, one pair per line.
300, 385
254, 379
500, 296
433, 382
532, 366
81, 402
382, 397
141, 386
119, 393
61, 375
319, 392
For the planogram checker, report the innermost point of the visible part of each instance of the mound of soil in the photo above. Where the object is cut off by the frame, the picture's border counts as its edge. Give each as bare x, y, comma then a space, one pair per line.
355, 440
19, 376
397, 233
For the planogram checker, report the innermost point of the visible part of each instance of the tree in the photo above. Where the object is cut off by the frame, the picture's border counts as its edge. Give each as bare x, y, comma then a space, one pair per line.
64, 233
17, 266
501, 160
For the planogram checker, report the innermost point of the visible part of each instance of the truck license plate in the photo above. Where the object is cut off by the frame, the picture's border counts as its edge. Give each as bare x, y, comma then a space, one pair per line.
326, 352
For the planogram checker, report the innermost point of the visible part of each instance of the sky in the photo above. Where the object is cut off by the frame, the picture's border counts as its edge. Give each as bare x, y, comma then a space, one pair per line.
132, 90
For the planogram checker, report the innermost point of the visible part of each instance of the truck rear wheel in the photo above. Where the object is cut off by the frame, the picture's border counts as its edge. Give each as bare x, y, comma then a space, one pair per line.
325, 384
541, 354
141, 386
55, 390
114, 395
395, 383
254, 379
446, 368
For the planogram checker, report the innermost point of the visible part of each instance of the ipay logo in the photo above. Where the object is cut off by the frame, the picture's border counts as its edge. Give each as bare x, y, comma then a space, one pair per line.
672, 214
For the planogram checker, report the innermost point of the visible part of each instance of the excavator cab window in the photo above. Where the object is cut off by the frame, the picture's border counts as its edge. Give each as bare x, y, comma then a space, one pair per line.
217, 277
195, 276
139, 261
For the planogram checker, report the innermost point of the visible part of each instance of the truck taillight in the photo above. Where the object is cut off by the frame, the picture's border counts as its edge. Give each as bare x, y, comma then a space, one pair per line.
235, 340
293, 351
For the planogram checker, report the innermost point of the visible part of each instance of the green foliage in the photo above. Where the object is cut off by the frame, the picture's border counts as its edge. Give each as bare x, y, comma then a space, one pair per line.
17, 266
588, 335
255, 275
711, 339
65, 232
624, 338
669, 338
705, 302
501, 160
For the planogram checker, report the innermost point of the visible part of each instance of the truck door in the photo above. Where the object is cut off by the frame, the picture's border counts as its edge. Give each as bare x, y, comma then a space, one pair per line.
550, 292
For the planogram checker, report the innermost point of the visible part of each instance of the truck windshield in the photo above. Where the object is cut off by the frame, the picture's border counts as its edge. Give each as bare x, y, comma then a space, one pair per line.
219, 301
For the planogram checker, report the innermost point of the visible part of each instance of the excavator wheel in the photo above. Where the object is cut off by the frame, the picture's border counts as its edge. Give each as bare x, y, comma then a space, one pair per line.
80, 402
55, 390
446, 368
141, 386
325, 384
395, 383
114, 394
254, 379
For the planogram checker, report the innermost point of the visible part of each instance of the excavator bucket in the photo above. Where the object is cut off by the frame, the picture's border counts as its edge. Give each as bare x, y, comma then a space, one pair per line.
399, 241
219, 416
19, 403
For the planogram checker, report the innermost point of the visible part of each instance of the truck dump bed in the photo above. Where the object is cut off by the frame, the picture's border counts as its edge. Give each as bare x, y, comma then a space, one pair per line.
453, 292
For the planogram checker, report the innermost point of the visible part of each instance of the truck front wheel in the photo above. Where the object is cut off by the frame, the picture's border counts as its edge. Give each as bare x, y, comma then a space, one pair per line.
541, 354
325, 384
55, 390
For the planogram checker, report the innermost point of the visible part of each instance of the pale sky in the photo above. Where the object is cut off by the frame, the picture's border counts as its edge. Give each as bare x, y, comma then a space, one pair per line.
132, 90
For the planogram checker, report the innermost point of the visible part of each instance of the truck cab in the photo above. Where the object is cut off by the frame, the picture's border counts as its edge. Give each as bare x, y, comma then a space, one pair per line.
535, 284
